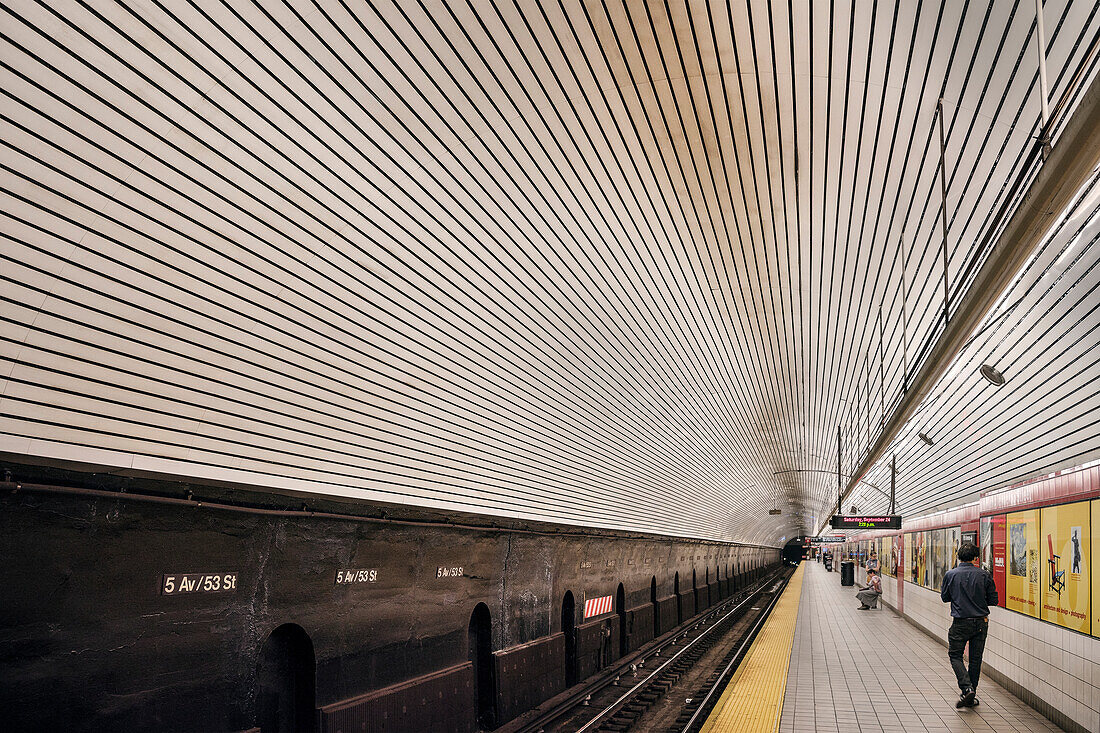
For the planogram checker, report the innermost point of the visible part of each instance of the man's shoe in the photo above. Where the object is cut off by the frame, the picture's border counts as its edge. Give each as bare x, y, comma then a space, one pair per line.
966, 699
864, 608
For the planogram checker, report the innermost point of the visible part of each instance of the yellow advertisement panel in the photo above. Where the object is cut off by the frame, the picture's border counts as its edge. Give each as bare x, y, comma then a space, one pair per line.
1064, 544
1022, 548
1096, 568
922, 549
909, 572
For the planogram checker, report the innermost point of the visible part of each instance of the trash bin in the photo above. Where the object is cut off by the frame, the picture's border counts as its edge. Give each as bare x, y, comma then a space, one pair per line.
847, 573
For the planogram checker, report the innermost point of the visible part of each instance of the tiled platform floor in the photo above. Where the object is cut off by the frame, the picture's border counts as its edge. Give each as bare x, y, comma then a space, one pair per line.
859, 671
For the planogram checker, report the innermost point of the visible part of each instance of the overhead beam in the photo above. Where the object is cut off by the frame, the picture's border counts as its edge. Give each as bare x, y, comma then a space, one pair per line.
1067, 168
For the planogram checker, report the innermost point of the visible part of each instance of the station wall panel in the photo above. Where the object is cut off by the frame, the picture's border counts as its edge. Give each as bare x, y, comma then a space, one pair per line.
667, 610
527, 675
443, 701
640, 626
687, 604
597, 645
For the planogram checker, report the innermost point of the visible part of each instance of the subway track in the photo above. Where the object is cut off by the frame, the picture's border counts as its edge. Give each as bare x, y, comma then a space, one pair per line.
672, 683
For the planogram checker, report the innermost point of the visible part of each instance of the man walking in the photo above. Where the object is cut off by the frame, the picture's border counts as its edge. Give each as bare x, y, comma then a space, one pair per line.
970, 591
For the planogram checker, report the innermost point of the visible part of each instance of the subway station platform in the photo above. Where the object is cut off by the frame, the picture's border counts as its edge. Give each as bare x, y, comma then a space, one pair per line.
861, 671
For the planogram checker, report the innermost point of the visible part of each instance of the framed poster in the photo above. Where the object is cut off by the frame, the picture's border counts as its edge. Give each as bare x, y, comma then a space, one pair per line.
911, 557
985, 542
922, 558
954, 541
891, 563
1064, 568
1095, 573
938, 559
1022, 578
998, 533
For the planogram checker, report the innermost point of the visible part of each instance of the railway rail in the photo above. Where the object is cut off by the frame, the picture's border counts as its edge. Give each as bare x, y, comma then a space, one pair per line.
670, 684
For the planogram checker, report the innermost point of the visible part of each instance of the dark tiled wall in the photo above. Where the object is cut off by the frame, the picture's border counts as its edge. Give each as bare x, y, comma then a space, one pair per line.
437, 702
528, 675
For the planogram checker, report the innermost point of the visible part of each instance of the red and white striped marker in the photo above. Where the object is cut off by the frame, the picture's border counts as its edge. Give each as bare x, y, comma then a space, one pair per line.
597, 606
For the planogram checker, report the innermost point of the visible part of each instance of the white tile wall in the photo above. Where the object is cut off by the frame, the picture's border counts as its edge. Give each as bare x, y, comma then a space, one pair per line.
1061, 667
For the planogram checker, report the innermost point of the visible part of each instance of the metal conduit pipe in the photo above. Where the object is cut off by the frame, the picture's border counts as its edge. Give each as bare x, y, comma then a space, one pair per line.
1067, 168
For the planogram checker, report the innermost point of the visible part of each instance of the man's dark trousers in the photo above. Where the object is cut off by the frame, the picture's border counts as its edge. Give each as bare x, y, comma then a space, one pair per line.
965, 630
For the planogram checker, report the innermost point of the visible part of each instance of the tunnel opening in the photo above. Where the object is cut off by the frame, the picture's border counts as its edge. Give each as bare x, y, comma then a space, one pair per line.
286, 676
695, 590
793, 551
679, 605
569, 629
656, 607
620, 608
480, 639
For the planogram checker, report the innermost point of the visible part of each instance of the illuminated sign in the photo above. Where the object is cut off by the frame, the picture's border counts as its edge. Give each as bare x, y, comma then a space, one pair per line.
825, 540
882, 521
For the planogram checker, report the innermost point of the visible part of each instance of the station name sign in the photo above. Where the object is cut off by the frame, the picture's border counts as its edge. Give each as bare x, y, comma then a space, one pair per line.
880, 521
825, 540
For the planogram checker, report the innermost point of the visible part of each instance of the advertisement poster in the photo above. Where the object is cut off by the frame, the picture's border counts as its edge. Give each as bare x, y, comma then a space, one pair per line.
939, 558
1022, 578
998, 532
985, 543
1096, 567
910, 571
954, 541
921, 541
1065, 565
893, 560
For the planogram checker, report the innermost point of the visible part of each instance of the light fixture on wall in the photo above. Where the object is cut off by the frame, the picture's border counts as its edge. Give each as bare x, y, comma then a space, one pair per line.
925, 439
991, 375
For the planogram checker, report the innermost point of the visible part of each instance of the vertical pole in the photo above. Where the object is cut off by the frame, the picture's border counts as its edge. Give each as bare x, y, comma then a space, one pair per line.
839, 489
867, 363
943, 195
881, 369
893, 480
1041, 41
904, 326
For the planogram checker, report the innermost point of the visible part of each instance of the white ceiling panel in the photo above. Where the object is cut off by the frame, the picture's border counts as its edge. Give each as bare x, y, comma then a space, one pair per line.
624, 264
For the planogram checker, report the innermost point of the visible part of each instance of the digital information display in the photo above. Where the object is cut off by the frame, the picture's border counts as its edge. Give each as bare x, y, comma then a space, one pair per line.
881, 521
825, 540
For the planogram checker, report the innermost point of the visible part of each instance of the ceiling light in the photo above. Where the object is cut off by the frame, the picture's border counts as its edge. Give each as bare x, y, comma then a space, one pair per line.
925, 439
992, 376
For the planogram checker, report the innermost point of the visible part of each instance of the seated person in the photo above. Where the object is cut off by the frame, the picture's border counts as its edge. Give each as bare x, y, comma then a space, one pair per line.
868, 595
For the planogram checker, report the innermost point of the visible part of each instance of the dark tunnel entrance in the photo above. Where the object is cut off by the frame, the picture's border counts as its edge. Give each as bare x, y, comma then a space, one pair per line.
620, 608
569, 628
679, 604
286, 678
481, 654
656, 607
793, 551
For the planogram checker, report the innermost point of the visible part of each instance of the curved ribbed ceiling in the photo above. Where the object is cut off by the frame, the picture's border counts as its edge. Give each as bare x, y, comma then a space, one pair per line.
624, 265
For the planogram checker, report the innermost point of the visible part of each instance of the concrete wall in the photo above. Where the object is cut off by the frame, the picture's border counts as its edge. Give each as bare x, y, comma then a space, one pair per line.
88, 640
1054, 670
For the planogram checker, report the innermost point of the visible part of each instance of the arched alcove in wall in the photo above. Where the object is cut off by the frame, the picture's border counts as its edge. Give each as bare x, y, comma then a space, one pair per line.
286, 681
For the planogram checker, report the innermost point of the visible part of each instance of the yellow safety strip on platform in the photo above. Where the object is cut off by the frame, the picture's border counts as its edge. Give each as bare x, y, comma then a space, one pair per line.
753, 700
